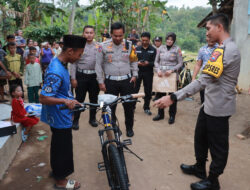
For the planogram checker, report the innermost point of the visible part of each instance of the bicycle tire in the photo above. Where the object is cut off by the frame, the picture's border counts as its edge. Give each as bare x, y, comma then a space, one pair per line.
118, 176
188, 78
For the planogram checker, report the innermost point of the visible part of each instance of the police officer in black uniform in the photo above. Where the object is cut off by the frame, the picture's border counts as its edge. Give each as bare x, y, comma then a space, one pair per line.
146, 55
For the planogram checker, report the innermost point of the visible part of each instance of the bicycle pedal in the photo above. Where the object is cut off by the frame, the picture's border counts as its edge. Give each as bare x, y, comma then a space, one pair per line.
127, 142
101, 166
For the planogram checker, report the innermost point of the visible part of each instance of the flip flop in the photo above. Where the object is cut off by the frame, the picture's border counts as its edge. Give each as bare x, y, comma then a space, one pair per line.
70, 186
24, 137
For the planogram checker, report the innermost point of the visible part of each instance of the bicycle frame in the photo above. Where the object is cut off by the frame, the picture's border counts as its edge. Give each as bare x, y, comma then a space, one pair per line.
114, 138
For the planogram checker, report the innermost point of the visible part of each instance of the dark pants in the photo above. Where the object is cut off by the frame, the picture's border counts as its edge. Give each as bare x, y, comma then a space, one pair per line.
33, 94
61, 153
172, 109
202, 96
122, 88
212, 133
86, 83
147, 78
17, 82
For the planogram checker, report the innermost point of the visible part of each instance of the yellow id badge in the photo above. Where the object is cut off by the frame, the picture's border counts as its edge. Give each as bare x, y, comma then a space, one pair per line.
214, 66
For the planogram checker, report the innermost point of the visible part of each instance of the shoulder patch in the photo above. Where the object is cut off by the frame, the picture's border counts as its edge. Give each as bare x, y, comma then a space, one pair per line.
99, 48
214, 66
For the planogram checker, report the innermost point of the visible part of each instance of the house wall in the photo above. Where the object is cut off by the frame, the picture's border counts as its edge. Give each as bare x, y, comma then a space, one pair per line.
240, 31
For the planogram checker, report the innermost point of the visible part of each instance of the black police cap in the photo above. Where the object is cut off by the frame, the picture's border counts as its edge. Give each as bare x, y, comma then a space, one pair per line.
74, 41
158, 38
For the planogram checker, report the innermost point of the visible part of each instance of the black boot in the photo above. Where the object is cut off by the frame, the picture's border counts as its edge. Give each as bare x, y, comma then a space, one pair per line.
160, 115
206, 184
196, 170
75, 125
171, 120
92, 118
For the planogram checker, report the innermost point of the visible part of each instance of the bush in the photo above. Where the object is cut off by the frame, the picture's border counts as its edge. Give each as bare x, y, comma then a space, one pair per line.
42, 34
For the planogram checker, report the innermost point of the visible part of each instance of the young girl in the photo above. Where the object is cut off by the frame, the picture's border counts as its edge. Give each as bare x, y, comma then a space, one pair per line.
19, 114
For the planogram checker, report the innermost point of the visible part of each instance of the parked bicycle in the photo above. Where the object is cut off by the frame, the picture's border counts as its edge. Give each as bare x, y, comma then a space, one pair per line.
185, 76
112, 147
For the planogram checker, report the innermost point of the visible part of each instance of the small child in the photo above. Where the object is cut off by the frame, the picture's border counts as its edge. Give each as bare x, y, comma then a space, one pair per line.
33, 78
32, 50
19, 114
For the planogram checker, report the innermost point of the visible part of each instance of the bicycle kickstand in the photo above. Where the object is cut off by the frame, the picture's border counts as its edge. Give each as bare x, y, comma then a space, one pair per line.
131, 152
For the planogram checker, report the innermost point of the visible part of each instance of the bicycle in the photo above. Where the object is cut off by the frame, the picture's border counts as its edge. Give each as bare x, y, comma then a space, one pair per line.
185, 76
112, 148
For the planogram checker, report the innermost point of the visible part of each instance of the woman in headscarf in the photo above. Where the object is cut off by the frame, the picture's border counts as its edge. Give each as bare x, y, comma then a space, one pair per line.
168, 60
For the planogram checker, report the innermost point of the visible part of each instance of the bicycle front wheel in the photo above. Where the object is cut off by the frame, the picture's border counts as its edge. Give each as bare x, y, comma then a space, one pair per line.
118, 176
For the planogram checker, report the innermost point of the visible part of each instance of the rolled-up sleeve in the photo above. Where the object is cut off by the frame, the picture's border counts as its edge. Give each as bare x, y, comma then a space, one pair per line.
179, 60
157, 60
99, 65
73, 70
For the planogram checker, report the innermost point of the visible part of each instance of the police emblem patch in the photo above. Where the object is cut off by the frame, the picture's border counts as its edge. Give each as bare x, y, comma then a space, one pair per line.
48, 89
100, 49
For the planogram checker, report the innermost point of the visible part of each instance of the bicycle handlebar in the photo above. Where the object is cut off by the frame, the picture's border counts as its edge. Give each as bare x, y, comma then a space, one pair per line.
126, 98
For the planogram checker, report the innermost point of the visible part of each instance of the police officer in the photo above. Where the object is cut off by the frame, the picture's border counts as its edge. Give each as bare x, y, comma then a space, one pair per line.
146, 56
55, 93
219, 79
83, 76
167, 61
157, 42
117, 69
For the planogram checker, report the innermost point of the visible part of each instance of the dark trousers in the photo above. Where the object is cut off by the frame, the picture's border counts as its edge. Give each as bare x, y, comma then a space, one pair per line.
212, 133
202, 96
33, 94
172, 109
61, 153
122, 88
86, 83
147, 79
16, 82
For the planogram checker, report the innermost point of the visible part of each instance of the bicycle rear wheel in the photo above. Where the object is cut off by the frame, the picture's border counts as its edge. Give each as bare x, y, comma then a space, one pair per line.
118, 176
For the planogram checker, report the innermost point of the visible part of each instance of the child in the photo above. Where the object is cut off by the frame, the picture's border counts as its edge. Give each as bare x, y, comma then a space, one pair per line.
33, 78
32, 50
14, 63
19, 114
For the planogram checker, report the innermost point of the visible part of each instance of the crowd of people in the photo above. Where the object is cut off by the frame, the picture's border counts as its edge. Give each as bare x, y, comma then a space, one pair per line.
118, 66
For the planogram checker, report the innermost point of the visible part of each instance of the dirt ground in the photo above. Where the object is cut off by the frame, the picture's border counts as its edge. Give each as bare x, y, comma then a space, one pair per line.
163, 148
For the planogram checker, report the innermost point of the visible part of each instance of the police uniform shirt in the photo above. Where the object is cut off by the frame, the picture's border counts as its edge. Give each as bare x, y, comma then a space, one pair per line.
114, 60
87, 60
171, 58
220, 94
57, 84
146, 55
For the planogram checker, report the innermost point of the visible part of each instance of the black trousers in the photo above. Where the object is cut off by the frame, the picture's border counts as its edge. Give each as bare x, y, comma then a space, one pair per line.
61, 153
212, 133
86, 83
122, 88
172, 109
202, 96
147, 79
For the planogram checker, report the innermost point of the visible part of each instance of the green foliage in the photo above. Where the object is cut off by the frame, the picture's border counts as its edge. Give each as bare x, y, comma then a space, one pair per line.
44, 33
184, 23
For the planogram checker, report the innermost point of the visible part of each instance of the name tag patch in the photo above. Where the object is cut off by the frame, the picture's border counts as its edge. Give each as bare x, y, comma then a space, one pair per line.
214, 66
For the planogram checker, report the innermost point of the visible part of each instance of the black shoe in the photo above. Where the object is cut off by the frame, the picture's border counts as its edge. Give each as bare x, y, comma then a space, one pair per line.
75, 125
93, 123
171, 120
206, 184
158, 117
130, 133
148, 112
194, 170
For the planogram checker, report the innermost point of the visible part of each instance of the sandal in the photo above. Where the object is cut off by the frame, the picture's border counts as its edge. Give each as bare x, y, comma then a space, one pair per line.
69, 186
24, 137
